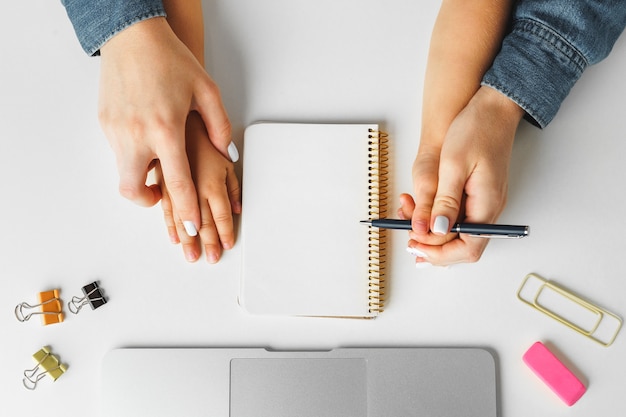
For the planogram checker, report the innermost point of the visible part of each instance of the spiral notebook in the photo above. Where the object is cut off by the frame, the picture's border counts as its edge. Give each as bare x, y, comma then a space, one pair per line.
306, 187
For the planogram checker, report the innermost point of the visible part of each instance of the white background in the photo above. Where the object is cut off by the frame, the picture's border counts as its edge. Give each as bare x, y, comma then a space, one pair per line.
64, 224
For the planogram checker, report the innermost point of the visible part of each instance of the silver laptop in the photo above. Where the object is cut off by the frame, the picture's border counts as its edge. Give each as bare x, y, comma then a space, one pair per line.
376, 382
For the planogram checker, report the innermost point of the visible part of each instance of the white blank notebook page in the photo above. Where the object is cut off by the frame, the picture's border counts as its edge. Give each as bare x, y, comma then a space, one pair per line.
305, 190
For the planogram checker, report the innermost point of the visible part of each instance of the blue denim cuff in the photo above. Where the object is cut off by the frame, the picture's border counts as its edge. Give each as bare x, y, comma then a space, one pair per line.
95, 22
536, 68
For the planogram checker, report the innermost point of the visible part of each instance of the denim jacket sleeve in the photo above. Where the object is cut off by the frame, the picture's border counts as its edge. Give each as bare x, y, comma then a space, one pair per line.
549, 46
97, 21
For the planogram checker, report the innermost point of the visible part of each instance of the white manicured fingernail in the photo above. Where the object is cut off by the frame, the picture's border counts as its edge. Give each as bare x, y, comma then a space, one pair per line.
416, 252
441, 226
422, 265
233, 152
190, 228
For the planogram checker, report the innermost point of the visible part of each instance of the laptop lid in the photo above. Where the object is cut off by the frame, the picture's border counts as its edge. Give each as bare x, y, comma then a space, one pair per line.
360, 382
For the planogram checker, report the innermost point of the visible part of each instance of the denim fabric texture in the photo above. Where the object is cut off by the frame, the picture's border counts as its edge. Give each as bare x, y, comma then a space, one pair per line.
97, 21
549, 46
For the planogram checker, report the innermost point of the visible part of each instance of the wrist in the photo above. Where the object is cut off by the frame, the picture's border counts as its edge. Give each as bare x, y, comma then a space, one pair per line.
186, 20
491, 101
136, 35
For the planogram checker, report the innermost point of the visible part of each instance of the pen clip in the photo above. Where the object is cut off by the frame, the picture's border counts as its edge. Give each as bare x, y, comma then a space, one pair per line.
492, 231
493, 236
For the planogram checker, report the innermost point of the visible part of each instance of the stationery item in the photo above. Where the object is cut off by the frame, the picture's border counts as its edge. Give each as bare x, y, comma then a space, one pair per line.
586, 318
255, 382
305, 189
473, 229
51, 308
554, 373
47, 364
92, 296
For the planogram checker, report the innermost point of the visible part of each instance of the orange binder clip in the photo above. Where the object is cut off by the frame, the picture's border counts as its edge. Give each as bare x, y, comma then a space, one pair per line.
50, 305
49, 364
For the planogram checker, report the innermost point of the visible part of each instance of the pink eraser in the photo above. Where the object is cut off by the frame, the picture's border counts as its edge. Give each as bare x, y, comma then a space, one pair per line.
552, 371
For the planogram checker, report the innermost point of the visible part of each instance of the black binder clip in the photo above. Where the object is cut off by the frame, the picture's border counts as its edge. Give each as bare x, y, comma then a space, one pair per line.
92, 295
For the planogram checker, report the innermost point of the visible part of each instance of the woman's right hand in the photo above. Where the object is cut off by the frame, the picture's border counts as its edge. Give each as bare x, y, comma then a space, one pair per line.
466, 181
150, 81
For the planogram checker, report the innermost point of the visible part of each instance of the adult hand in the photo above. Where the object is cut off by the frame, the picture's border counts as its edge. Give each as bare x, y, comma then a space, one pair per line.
150, 81
219, 196
466, 180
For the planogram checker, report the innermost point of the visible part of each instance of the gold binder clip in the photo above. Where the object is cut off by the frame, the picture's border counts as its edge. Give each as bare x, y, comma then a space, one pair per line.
92, 295
586, 318
51, 308
47, 364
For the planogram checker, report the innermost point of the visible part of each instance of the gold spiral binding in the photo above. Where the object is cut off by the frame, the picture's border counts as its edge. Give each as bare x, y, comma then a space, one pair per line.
378, 179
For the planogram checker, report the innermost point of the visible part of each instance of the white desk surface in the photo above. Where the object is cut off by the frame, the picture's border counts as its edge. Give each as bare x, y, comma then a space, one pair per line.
65, 224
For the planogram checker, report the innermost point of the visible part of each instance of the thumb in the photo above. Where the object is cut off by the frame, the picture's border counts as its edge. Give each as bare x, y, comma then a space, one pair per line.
133, 171
425, 178
208, 103
448, 200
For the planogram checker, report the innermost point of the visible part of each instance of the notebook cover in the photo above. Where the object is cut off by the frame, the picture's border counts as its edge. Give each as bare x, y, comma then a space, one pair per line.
305, 191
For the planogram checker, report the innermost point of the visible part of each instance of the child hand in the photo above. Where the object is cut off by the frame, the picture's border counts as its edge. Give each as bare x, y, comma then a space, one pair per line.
219, 196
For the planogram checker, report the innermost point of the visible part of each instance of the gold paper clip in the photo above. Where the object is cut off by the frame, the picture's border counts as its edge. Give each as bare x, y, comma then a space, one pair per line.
49, 364
586, 318
51, 308
92, 295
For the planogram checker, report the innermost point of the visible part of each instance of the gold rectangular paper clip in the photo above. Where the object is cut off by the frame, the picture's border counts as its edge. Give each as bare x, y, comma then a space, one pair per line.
50, 305
47, 364
581, 315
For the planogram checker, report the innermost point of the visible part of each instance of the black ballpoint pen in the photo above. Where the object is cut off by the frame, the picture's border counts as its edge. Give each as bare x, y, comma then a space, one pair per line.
473, 229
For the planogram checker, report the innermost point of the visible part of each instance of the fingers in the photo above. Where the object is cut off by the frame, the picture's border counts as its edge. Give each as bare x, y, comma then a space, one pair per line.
217, 230
426, 183
175, 228
456, 177
458, 249
179, 183
135, 163
234, 190
407, 206
209, 236
168, 216
190, 244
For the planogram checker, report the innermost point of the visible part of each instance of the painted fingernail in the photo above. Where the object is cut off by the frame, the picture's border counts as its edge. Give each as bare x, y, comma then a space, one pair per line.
441, 226
422, 265
233, 152
190, 228
416, 252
